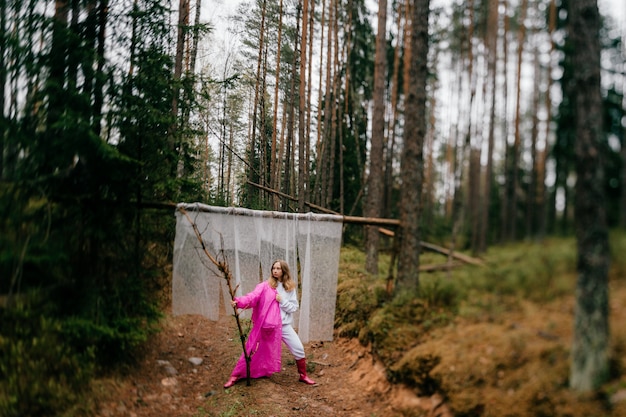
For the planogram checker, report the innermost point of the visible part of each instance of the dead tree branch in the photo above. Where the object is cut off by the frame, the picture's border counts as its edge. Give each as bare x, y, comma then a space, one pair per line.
222, 266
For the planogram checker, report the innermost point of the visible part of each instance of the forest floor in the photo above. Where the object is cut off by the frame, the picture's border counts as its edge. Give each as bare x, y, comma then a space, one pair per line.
504, 356
166, 383
513, 367
521, 360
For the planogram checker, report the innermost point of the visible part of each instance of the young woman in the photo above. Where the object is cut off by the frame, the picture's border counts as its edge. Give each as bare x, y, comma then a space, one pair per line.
273, 302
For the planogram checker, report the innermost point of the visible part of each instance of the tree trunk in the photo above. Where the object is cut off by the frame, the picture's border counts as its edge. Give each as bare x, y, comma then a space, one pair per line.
504, 206
333, 108
98, 100
252, 176
346, 108
412, 156
373, 203
291, 115
340, 129
391, 135
492, 65
320, 128
190, 67
543, 194
183, 22
302, 161
590, 359
74, 44
309, 89
430, 170
56, 81
535, 180
474, 197
472, 147
461, 208
622, 201
274, 173
516, 150
324, 164
263, 139
193, 54
3, 80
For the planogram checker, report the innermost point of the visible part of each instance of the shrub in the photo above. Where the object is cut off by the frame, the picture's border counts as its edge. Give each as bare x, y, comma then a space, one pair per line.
39, 374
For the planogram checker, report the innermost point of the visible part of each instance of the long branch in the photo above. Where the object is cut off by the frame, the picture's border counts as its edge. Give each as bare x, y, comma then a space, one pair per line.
222, 266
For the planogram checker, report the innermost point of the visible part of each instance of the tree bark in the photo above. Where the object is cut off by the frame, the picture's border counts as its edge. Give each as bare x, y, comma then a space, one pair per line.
472, 147
56, 77
3, 80
302, 161
183, 22
516, 150
504, 206
291, 118
622, 200
373, 202
315, 196
543, 192
263, 138
391, 135
252, 176
412, 156
590, 359
346, 109
332, 145
274, 173
324, 152
309, 89
535, 180
98, 100
492, 66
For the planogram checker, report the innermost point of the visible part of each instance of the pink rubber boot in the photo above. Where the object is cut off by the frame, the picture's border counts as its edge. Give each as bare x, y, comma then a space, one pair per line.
301, 363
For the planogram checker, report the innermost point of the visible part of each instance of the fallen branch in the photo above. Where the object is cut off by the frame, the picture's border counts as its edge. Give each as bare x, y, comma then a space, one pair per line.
440, 249
456, 255
439, 267
222, 266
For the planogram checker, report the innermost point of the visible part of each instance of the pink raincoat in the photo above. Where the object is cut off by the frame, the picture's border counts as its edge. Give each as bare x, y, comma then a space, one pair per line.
264, 340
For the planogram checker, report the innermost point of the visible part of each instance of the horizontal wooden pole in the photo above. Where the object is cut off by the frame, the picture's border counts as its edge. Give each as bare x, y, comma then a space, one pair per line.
346, 219
374, 221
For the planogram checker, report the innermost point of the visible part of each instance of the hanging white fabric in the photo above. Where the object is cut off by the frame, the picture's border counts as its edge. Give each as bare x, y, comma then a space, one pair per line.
250, 240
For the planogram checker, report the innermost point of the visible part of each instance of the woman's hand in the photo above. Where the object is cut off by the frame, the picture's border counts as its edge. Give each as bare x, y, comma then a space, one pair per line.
278, 298
234, 303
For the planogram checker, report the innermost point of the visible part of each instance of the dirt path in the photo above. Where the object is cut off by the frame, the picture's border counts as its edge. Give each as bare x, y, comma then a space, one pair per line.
168, 384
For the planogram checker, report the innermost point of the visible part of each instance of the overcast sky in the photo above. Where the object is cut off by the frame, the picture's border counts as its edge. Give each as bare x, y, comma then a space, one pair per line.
215, 11
616, 8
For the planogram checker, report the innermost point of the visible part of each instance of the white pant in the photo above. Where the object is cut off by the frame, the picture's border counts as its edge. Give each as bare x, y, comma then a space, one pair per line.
293, 342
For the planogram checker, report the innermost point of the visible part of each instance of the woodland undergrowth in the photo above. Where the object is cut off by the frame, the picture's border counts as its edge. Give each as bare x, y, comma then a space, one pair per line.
492, 340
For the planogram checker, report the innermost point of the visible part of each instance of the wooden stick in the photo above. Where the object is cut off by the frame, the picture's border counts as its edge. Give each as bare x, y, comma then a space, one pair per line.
440, 249
439, 267
457, 255
222, 266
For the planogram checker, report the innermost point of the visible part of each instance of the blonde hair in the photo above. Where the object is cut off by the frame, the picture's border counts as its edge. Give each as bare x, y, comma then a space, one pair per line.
288, 282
